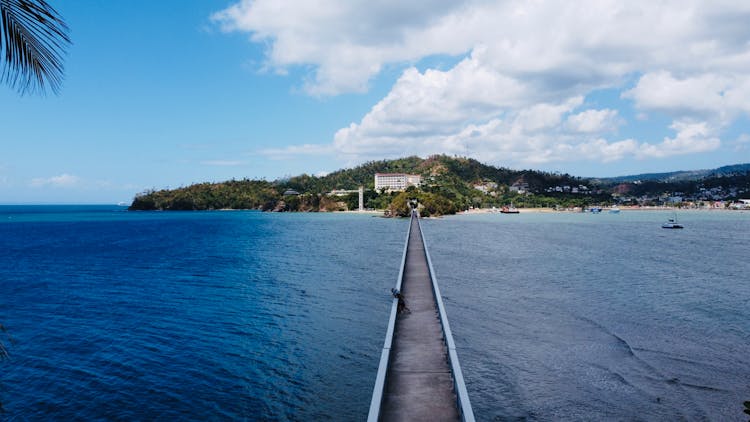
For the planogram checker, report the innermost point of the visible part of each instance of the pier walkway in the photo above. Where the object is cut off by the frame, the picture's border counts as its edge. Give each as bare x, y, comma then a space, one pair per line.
419, 378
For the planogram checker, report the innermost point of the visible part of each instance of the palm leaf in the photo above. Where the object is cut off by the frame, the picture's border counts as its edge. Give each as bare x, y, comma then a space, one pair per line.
33, 39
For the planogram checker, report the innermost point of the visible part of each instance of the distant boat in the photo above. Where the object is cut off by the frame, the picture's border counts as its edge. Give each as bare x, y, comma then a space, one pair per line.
614, 210
595, 210
509, 210
672, 224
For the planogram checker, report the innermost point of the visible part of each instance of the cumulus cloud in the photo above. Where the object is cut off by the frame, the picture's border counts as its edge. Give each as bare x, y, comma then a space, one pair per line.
62, 181
594, 121
692, 137
348, 42
519, 95
536, 134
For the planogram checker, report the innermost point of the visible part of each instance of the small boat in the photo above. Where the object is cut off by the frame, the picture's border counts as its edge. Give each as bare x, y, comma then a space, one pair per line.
509, 210
672, 224
614, 210
595, 210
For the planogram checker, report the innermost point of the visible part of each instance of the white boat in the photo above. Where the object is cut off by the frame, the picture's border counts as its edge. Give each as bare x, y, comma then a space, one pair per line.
614, 210
672, 224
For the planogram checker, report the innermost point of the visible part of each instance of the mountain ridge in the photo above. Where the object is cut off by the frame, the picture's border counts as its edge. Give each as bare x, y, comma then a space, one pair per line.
679, 175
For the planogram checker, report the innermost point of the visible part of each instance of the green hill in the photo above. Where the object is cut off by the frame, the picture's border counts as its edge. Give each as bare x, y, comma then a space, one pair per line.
680, 176
448, 181
243, 194
449, 184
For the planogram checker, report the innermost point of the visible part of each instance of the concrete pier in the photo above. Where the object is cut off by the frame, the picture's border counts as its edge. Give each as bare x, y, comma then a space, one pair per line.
419, 377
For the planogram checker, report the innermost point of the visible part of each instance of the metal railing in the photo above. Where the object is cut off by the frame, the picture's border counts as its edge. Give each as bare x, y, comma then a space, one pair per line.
385, 355
459, 385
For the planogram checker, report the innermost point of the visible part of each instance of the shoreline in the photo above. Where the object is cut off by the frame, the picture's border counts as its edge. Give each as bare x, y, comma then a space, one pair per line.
604, 210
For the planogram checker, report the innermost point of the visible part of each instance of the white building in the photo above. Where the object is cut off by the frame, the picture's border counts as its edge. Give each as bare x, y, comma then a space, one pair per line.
521, 187
396, 181
485, 187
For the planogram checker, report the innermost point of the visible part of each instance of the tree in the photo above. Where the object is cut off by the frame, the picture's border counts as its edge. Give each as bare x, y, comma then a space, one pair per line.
33, 41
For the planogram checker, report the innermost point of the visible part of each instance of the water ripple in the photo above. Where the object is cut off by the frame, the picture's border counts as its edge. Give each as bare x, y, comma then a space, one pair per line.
196, 316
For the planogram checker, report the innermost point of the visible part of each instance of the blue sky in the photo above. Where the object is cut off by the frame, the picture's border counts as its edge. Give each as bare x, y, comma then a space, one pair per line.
168, 93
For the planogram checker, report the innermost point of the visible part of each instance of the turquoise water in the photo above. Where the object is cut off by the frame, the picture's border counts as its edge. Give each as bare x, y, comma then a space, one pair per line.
241, 315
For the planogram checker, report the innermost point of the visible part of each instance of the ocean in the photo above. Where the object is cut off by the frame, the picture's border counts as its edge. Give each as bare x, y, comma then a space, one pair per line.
242, 315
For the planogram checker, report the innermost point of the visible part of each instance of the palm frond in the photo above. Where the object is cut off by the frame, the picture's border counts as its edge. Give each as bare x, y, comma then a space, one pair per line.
33, 39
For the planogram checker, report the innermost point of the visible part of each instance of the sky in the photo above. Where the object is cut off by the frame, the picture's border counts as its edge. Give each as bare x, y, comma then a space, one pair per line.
163, 94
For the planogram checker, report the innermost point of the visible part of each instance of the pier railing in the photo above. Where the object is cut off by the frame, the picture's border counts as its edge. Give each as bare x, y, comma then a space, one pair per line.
385, 355
459, 385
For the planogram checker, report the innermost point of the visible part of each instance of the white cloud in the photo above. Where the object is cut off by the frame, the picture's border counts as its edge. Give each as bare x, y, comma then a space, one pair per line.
520, 94
692, 137
539, 133
62, 181
707, 95
594, 121
544, 116
348, 42
561, 44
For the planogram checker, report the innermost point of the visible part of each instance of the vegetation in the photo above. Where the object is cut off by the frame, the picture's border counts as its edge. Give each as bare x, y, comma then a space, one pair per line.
449, 185
429, 204
243, 194
690, 187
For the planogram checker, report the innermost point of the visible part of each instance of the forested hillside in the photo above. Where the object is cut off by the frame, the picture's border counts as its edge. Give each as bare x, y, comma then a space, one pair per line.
449, 184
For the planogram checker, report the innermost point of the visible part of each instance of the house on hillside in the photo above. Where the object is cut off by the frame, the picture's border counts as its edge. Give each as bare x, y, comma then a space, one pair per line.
520, 186
485, 187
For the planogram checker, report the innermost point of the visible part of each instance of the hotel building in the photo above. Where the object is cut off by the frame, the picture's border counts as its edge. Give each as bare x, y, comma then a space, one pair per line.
396, 181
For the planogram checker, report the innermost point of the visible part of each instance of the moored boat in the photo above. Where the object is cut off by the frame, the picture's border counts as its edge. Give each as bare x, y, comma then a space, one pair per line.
672, 224
509, 209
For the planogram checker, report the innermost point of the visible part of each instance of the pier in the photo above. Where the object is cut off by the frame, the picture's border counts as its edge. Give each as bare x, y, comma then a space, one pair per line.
419, 377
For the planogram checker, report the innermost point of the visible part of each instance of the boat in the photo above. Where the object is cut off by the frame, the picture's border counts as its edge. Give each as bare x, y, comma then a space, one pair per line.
595, 210
509, 209
614, 210
672, 224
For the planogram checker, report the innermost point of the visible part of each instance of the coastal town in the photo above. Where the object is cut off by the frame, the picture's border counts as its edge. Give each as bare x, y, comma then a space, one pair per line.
717, 197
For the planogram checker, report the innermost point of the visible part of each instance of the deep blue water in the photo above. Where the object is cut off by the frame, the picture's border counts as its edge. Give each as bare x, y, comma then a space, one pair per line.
192, 316
249, 316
